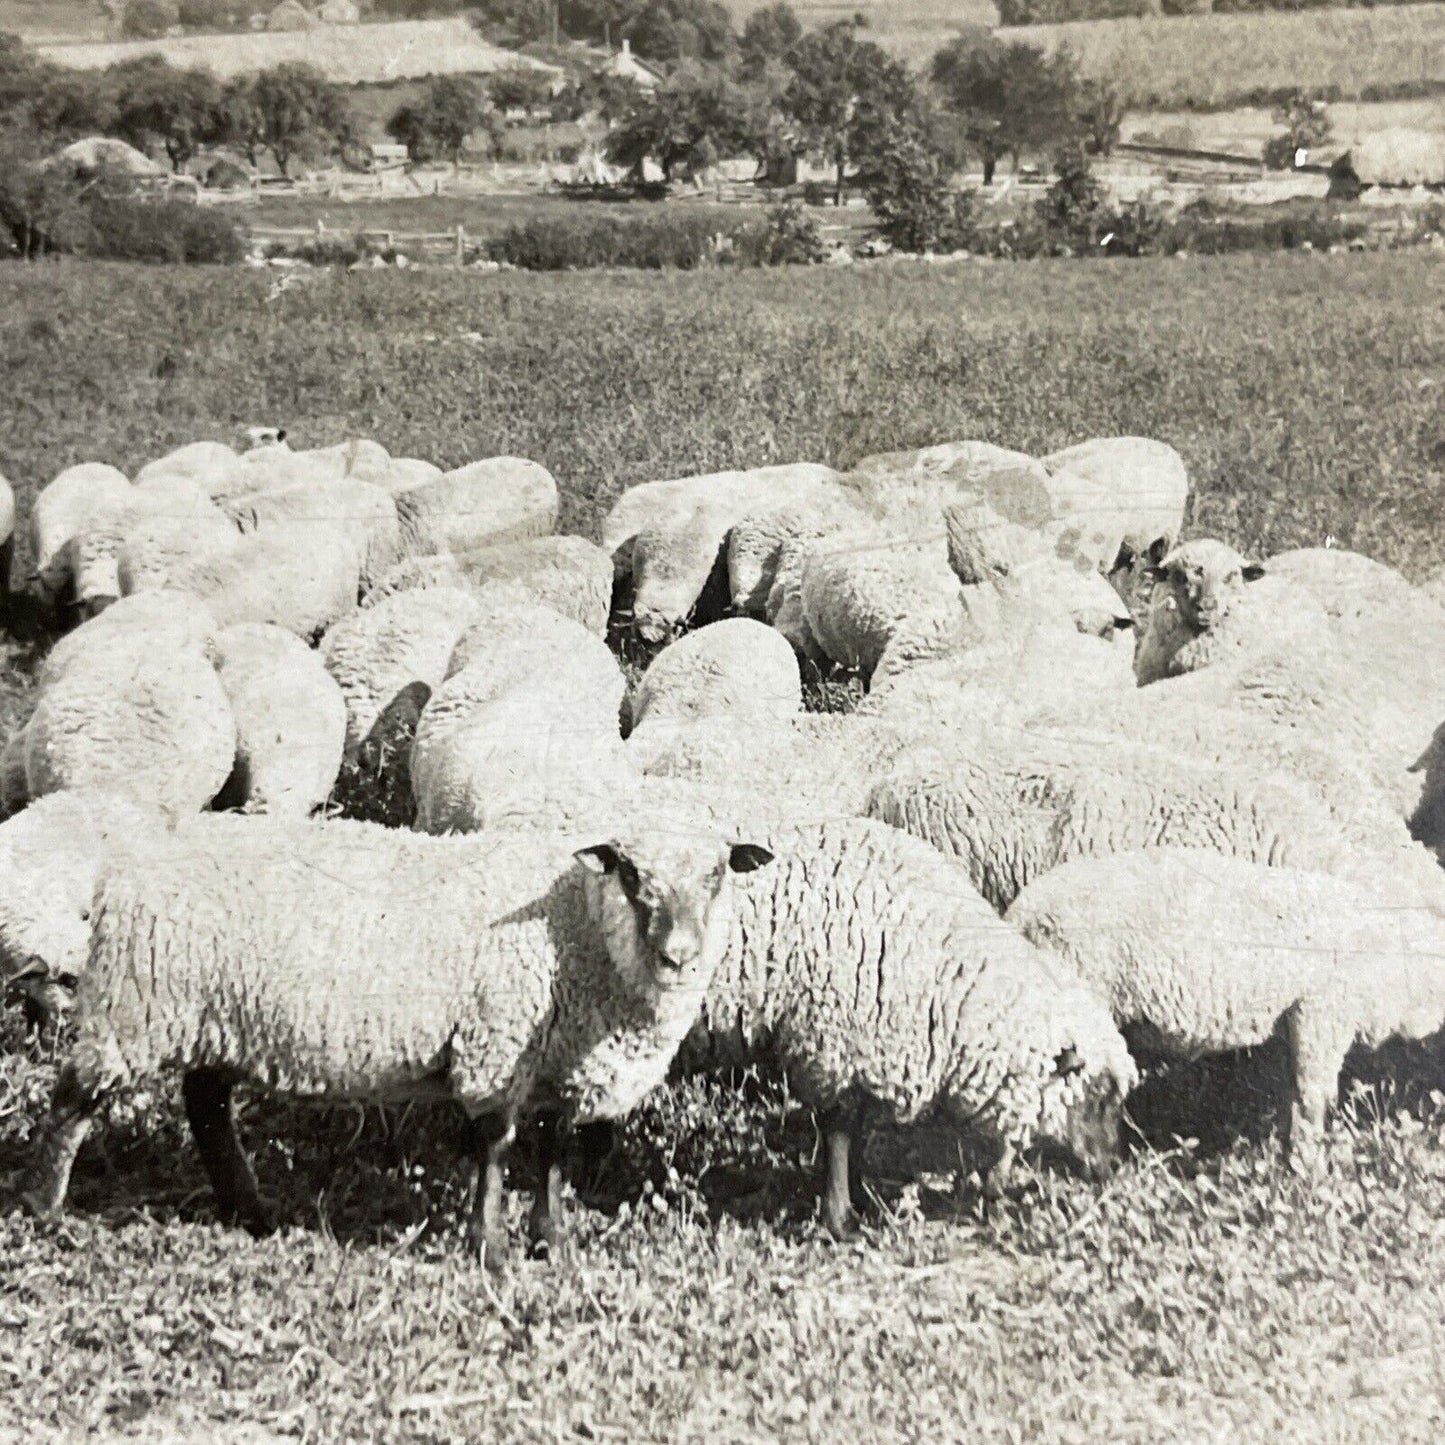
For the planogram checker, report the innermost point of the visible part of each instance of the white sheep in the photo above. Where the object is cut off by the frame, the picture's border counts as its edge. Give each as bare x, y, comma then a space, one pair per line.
163, 523
864, 593
524, 728
346, 960
212, 465
1209, 606
164, 620
1012, 806
70, 504
402, 645
670, 537
290, 721
870, 968
758, 543
152, 724
502, 499
406, 472
907, 490
1145, 483
568, 574
1198, 953
736, 667
50, 855
301, 583
361, 510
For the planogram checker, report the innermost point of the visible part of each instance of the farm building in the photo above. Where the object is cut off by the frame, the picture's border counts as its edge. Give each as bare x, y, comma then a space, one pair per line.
1399, 156
346, 54
627, 66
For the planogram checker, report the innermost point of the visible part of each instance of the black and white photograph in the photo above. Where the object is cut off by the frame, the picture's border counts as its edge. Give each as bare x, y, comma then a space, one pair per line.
722, 722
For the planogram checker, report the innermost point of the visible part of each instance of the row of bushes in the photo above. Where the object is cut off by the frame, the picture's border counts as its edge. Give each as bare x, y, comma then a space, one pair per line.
658, 242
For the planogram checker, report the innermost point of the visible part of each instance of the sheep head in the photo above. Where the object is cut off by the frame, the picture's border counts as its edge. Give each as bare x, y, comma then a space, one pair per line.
661, 900
1203, 579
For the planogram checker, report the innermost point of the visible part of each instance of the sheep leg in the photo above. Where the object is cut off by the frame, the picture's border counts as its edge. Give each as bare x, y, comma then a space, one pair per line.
841, 1148
996, 1179
7, 559
491, 1137
73, 1107
207, 1096
545, 1225
595, 1142
1317, 1044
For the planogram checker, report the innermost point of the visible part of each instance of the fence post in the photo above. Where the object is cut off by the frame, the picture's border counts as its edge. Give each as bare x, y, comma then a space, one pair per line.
461, 244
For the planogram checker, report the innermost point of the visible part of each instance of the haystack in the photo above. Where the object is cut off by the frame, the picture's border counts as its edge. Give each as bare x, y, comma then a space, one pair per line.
1399, 156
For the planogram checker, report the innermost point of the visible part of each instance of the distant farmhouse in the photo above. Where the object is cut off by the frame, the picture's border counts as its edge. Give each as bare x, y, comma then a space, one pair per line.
347, 53
625, 64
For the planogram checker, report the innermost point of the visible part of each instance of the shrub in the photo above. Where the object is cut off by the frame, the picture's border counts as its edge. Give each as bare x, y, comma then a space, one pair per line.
909, 191
652, 243
146, 19
788, 236
123, 229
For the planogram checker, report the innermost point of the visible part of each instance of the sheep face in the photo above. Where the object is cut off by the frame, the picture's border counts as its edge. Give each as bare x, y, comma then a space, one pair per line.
661, 901
1202, 580
1093, 1127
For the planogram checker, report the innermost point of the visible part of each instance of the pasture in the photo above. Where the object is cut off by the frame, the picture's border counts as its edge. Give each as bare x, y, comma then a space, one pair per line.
1205, 1294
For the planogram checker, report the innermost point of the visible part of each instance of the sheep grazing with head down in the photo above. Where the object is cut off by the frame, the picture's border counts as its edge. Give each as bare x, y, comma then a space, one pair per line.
293, 957
524, 731
502, 499
50, 855
290, 721
735, 668
870, 968
212, 465
64, 508
1199, 953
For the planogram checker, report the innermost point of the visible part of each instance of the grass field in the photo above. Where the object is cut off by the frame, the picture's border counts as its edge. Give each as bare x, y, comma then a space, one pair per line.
1206, 1294
1209, 62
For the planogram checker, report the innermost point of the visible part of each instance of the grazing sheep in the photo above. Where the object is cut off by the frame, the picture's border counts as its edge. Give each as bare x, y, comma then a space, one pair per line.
361, 510
67, 506
302, 583
670, 537
400, 646
49, 857
907, 490
1011, 808
759, 542
1198, 953
1144, 482
213, 466
290, 721
525, 728
527, 978
1345, 583
737, 667
568, 574
407, 472
14, 790
163, 524
502, 499
153, 724
865, 595
1210, 605
162, 620
869, 967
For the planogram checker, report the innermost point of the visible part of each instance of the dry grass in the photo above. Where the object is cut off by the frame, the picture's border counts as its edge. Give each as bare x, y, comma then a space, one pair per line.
1208, 62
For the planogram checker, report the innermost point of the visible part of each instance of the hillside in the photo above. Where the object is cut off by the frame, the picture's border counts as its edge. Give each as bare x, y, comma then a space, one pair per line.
348, 54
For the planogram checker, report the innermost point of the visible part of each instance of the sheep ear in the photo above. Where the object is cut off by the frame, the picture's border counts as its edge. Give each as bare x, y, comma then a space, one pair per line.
600, 858
280, 433
744, 857
1252, 571
1156, 552
1068, 1061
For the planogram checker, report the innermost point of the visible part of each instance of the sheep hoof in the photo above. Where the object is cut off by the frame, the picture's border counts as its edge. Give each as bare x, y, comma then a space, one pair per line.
491, 1248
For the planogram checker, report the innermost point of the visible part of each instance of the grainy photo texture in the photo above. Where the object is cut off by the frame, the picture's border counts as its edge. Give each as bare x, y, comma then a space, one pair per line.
722, 722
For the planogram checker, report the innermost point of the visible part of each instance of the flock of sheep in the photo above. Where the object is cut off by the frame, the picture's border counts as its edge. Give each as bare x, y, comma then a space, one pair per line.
1108, 795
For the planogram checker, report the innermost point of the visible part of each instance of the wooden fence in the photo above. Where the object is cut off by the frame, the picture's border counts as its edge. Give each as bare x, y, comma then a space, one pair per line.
453, 243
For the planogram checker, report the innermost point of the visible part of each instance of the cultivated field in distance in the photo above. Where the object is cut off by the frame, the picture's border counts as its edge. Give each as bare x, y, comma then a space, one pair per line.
1213, 61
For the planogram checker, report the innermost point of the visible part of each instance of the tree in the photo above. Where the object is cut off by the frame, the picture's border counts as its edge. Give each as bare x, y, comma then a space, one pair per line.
1101, 115
438, 124
910, 193
518, 87
296, 110
770, 34
676, 30
158, 104
242, 124
146, 19
40, 207
1012, 97
608, 96
515, 23
696, 117
844, 95
407, 126
1306, 123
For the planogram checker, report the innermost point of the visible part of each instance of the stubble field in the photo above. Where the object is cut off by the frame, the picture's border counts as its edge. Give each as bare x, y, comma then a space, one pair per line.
1205, 1294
